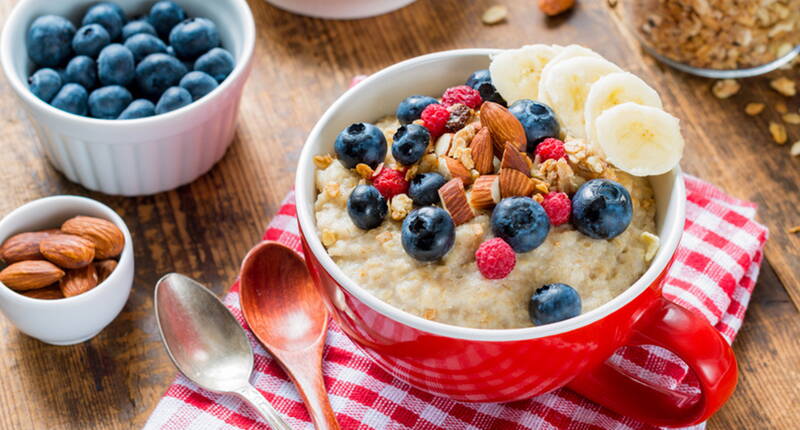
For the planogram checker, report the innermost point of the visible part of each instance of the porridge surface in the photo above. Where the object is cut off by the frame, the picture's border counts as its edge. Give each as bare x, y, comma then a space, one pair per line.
452, 290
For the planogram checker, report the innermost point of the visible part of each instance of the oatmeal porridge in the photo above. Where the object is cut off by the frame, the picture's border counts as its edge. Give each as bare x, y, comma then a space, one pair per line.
463, 211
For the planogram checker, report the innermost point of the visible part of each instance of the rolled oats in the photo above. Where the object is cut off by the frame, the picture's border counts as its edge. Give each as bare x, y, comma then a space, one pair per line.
778, 132
791, 118
494, 15
364, 171
795, 150
784, 85
717, 34
725, 88
323, 161
400, 206
754, 109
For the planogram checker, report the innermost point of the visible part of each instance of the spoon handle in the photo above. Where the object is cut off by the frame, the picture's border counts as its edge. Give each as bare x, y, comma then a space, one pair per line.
257, 400
305, 369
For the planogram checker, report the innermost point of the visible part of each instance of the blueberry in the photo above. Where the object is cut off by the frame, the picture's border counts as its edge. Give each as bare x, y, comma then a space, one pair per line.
424, 188
90, 39
115, 65
198, 84
157, 72
109, 15
171, 51
553, 303
49, 40
481, 80
361, 142
366, 207
217, 62
164, 15
45, 84
490, 94
173, 98
520, 221
82, 70
193, 37
141, 45
108, 102
140, 26
410, 143
601, 209
71, 98
410, 109
538, 120
477, 77
139, 108
428, 233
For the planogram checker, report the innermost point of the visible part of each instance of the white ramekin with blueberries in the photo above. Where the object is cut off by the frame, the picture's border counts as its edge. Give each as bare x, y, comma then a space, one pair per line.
130, 97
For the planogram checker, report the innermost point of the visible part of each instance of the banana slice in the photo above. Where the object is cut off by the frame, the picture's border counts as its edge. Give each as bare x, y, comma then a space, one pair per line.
516, 72
640, 140
565, 85
612, 90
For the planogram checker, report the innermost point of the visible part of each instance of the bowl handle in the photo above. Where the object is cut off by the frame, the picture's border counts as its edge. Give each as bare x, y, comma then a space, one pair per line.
696, 342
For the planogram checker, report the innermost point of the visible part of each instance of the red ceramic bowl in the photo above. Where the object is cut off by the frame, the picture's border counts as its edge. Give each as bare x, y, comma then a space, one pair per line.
482, 365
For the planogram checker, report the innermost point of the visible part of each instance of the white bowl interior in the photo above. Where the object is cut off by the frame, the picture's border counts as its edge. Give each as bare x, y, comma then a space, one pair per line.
232, 17
429, 75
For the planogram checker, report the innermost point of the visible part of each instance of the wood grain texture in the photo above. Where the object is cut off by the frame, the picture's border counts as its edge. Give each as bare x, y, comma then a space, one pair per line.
301, 66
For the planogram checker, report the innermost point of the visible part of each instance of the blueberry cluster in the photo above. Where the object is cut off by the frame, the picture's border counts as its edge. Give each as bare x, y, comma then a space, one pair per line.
113, 68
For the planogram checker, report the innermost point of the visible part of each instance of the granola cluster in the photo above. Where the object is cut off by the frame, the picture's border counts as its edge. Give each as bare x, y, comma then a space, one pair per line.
718, 34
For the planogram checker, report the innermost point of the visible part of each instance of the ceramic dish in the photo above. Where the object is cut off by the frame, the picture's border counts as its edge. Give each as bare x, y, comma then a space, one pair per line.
141, 156
74, 319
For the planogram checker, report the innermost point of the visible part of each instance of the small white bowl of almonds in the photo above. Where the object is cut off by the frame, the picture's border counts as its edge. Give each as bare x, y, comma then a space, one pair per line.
67, 268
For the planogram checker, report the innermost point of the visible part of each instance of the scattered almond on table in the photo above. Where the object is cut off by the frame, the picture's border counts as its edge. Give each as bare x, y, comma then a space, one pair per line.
795, 229
781, 108
494, 15
555, 7
791, 118
65, 262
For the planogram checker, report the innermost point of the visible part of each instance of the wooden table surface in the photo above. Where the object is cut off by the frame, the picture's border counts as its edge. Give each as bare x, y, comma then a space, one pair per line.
301, 66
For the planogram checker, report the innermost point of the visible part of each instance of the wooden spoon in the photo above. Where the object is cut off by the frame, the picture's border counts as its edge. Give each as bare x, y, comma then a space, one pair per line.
285, 311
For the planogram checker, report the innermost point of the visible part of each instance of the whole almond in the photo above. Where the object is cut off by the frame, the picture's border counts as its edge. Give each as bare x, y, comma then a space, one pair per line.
29, 275
107, 237
104, 269
503, 126
78, 281
47, 293
67, 250
23, 246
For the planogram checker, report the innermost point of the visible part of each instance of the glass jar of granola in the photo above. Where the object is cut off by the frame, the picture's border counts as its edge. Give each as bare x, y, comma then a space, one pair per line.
717, 38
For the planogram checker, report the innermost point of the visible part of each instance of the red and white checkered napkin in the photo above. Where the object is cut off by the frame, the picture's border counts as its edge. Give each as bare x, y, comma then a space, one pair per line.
714, 273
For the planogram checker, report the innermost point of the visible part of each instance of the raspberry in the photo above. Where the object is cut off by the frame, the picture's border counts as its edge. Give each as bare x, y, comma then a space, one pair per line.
495, 258
462, 94
558, 207
434, 118
551, 149
390, 182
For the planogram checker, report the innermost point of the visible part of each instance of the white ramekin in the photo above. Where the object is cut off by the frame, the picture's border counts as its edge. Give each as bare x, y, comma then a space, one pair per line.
340, 9
75, 319
141, 156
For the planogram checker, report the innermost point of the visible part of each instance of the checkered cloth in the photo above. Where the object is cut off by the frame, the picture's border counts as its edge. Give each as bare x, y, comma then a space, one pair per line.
714, 274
